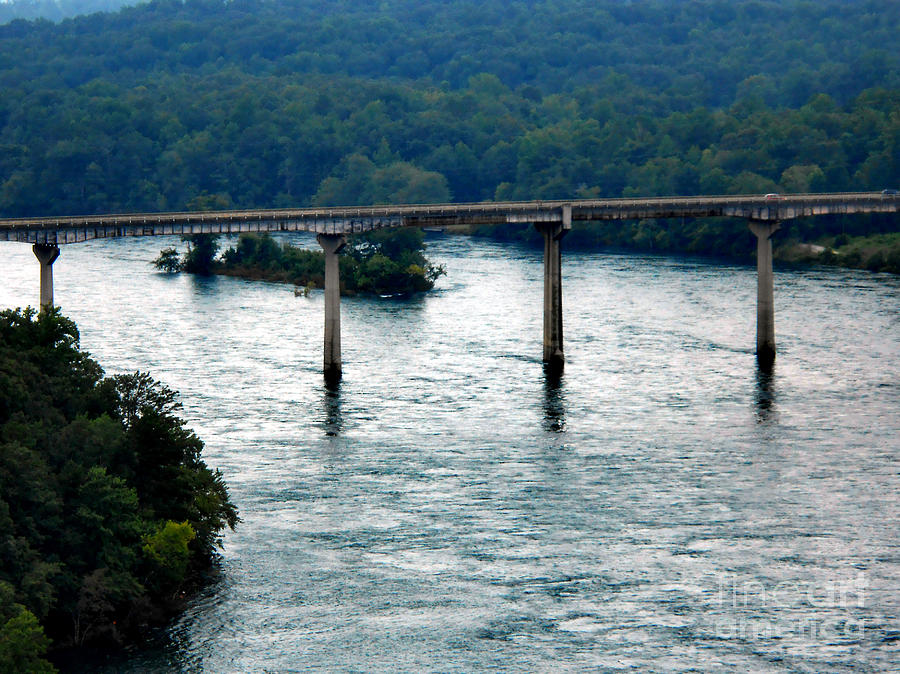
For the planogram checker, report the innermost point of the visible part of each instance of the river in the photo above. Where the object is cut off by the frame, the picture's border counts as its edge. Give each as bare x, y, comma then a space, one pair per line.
662, 507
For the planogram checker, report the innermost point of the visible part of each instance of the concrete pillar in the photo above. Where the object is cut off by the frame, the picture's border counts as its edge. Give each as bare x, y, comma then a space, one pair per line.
765, 292
553, 313
46, 255
332, 244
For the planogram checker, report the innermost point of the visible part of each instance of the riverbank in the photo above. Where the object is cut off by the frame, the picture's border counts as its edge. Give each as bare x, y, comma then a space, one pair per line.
797, 243
878, 253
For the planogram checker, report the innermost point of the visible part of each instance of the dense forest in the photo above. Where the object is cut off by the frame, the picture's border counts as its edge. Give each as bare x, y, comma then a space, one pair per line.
204, 104
107, 512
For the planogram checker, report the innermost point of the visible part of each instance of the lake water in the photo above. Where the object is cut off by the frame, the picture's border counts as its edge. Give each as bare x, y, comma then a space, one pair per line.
662, 507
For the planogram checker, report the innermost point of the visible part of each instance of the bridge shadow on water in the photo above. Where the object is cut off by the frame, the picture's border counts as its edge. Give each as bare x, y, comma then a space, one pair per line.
554, 399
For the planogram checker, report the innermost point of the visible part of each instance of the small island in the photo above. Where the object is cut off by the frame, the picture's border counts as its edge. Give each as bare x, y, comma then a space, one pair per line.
382, 262
109, 518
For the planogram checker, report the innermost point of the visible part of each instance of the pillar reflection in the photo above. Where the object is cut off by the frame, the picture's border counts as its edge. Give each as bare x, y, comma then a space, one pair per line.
765, 394
554, 399
331, 407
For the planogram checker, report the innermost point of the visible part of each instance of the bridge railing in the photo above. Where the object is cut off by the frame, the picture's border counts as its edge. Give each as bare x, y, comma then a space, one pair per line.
346, 220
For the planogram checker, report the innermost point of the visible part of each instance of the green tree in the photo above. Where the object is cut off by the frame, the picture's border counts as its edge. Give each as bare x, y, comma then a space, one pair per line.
358, 181
23, 643
169, 260
803, 179
167, 552
404, 183
139, 393
391, 261
201, 255
348, 185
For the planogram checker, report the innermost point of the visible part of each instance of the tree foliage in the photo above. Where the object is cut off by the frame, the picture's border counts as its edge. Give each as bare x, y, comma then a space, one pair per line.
169, 260
23, 643
201, 255
208, 104
706, 51
380, 262
205, 105
106, 507
389, 262
168, 551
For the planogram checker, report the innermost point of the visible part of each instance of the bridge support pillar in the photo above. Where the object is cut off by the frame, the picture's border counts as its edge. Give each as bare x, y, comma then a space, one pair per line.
46, 255
332, 245
553, 232
765, 292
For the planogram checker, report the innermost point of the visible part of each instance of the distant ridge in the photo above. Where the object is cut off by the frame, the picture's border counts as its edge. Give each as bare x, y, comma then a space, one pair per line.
57, 10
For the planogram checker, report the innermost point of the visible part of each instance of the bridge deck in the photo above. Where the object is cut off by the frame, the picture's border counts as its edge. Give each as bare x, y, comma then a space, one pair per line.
346, 220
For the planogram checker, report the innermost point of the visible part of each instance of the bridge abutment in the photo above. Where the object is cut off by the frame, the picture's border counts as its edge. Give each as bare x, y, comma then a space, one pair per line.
553, 232
46, 255
332, 245
765, 292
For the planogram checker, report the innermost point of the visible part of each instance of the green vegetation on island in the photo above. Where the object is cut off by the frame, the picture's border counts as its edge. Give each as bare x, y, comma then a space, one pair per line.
380, 262
108, 515
879, 252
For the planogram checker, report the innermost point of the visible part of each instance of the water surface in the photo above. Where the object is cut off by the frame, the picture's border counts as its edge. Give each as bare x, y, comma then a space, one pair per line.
663, 506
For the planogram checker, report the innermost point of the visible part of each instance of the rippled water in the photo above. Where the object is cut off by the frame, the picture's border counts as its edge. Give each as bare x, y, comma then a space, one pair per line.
661, 507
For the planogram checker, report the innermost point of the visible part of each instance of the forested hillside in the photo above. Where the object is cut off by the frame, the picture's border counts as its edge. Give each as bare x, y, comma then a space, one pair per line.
206, 104
687, 52
55, 10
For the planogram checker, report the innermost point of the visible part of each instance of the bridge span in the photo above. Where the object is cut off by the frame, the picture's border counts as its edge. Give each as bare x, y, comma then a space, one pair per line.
553, 219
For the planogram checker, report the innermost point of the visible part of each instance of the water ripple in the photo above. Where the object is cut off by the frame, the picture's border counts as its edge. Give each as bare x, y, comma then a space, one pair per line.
449, 507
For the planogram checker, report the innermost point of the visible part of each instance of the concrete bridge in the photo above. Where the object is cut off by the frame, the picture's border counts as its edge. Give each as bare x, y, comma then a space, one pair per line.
553, 219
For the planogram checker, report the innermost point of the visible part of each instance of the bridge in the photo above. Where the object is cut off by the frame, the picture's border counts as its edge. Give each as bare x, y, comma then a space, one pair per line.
553, 219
